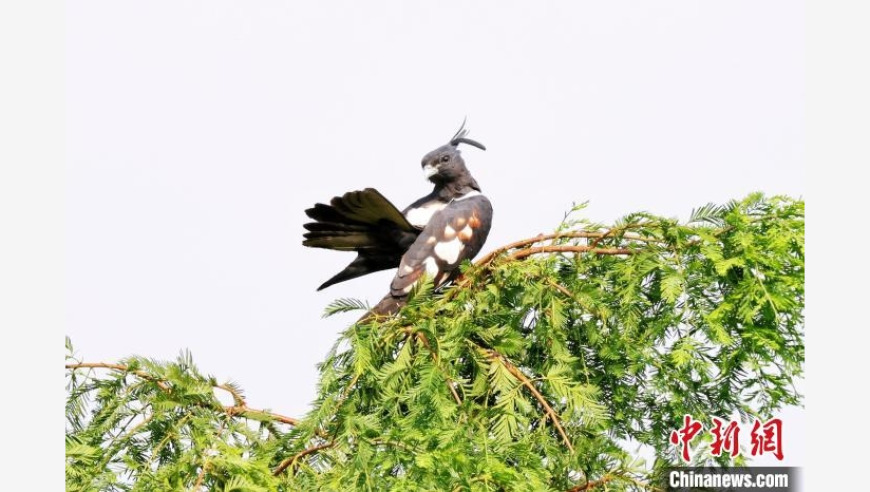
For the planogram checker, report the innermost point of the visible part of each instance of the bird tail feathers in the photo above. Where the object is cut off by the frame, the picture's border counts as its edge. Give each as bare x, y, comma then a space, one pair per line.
362, 221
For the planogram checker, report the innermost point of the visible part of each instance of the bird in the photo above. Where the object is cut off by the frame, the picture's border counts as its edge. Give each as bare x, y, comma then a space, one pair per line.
430, 238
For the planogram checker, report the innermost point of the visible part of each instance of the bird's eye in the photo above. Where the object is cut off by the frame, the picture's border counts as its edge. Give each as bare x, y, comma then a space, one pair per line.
445, 158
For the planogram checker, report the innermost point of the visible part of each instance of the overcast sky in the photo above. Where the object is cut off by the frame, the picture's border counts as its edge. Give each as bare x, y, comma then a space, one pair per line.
198, 132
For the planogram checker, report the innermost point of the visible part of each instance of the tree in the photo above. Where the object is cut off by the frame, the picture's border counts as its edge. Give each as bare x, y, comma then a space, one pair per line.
541, 368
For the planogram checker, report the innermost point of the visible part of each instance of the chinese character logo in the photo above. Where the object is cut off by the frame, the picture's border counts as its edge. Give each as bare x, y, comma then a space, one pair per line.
727, 438
684, 436
769, 439
765, 437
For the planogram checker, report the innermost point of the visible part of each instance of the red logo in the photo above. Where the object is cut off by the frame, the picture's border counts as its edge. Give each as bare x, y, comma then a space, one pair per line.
727, 438
765, 437
683, 436
769, 440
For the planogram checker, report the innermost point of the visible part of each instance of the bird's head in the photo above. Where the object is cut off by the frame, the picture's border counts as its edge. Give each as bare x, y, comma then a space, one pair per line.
445, 164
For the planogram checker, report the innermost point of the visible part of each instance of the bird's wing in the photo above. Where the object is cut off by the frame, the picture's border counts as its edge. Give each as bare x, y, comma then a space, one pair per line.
454, 234
362, 221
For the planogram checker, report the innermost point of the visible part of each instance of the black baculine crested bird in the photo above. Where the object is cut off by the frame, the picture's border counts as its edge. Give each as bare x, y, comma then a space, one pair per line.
433, 235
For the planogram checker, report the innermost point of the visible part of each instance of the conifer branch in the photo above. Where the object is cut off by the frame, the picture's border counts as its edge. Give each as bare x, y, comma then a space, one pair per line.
241, 410
291, 461
156, 451
449, 380
349, 387
120, 368
570, 295
610, 477
206, 462
237, 398
255, 414
612, 230
200, 477
561, 288
591, 484
560, 248
523, 243
512, 369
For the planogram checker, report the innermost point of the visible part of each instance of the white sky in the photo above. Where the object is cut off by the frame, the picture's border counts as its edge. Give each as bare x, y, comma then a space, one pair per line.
199, 131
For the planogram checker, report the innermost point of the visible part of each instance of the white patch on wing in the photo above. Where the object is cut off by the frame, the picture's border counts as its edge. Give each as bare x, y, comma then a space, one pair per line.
431, 267
420, 216
449, 233
432, 270
449, 250
406, 289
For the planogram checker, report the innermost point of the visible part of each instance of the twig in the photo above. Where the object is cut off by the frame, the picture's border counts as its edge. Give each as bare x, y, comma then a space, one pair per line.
611, 231
319, 432
519, 254
292, 460
237, 398
609, 477
385, 442
238, 409
543, 237
598, 236
493, 355
201, 476
253, 413
564, 290
206, 462
589, 485
561, 288
118, 367
425, 342
111, 450
347, 388
169, 434
560, 248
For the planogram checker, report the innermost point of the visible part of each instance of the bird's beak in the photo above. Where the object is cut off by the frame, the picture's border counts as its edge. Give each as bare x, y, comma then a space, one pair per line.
430, 171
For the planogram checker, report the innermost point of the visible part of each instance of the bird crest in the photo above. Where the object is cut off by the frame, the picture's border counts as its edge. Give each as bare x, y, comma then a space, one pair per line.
460, 137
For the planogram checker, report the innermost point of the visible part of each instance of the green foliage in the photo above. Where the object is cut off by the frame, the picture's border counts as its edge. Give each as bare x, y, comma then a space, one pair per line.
343, 306
537, 371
